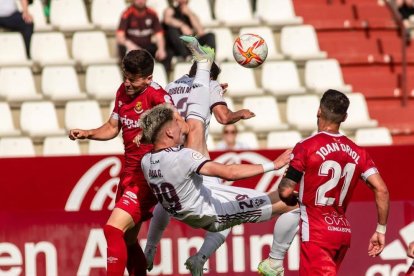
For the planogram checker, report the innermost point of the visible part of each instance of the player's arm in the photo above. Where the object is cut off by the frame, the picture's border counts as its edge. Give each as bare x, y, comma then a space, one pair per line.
240, 171
225, 116
107, 131
382, 200
287, 186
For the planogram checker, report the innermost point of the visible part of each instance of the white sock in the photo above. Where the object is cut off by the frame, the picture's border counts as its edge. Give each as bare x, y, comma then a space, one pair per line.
158, 223
212, 241
198, 103
286, 227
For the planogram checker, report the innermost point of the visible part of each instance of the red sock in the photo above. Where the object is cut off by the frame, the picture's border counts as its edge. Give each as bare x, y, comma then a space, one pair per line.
136, 264
116, 251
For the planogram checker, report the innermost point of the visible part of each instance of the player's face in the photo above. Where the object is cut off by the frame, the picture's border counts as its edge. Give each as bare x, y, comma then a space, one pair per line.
140, 4
135, 84
181, 128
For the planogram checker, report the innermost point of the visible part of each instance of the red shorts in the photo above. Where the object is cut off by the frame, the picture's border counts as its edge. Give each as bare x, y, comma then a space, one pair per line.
135, 196
320, 260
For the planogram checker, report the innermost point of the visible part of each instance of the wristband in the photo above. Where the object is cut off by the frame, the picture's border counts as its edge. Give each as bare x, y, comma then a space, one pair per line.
267, 167
381, 228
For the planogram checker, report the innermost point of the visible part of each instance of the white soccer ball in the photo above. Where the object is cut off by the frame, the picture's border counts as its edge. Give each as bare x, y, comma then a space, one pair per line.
250, 50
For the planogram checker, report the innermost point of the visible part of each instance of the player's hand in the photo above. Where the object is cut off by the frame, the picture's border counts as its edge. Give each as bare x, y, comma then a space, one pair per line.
410, 250
246, 114
27, 17
160, 54
282, 159
137, 139
78, 134
376, 244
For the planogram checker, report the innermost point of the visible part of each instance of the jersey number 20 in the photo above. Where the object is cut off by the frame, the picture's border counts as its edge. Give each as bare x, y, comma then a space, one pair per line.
337, 174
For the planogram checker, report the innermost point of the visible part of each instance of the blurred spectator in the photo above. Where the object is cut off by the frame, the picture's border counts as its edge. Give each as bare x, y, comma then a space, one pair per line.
12, 19
139, 24
180, 20
229, 141
406, 9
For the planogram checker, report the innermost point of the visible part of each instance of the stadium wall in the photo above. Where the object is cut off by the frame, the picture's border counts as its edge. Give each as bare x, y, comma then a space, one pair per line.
52, 210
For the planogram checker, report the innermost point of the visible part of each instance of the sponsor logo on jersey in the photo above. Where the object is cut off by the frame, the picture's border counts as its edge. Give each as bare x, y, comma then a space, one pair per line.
138, 108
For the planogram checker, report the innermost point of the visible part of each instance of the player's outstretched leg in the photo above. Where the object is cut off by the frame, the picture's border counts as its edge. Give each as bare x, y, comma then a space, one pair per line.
159, 222
284, 231
212, 241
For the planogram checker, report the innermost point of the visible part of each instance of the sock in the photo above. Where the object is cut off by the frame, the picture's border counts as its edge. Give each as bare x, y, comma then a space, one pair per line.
116, 251
198, 103
136, 263
212, 241
285, 230
158, 223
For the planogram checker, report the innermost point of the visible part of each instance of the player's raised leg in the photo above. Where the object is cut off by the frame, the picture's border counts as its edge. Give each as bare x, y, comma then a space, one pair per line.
198, 107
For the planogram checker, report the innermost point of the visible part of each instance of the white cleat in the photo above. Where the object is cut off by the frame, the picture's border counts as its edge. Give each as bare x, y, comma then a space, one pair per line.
200, 53
268, 268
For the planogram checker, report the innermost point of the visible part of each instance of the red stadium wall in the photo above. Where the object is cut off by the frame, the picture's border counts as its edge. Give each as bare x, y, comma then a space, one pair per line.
52, 210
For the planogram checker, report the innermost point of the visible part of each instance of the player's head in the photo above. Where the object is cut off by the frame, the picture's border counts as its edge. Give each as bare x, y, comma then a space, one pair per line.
140, 4
333, 106
137, 68
163, 124
214, 71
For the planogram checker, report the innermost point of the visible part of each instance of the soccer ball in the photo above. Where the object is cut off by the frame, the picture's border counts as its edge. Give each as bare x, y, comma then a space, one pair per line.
250, 50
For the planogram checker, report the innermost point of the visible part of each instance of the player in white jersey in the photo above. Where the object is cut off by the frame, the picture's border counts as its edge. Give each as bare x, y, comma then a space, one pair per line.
238, 203
175, 174
180, 90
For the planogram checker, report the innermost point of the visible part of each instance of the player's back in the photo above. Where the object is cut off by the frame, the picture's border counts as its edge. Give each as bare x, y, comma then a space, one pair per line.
332, 165
172, 174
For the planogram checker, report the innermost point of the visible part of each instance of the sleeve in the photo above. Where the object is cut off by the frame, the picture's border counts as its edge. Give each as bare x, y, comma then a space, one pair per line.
216, 95
115, 111
368, 167
123, 24
191, 161
298, 158
160, 97
156, 25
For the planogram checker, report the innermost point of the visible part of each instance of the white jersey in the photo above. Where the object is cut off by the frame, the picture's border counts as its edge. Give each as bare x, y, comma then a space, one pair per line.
7, 8
172, 174
179, 91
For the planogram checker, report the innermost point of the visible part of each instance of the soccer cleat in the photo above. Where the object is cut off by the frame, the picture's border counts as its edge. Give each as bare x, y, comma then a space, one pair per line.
195, 264
268, 268
200, 53
149, 253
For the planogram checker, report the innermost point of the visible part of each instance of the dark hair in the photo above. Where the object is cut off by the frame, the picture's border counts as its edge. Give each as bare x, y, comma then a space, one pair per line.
214, 71
334, 105
138, 62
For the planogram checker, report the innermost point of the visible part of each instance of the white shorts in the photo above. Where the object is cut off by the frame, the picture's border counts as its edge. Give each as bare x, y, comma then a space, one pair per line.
236, 205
